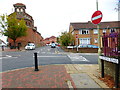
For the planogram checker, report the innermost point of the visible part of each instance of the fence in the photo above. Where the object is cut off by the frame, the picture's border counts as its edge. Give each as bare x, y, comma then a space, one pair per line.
111, 48
111, 44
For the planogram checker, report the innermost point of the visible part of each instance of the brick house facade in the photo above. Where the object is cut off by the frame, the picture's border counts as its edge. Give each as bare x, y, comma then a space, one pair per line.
87, 33
33, 36
50, 40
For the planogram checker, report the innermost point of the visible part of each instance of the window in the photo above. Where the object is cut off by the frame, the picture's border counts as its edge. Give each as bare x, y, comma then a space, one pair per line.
84, 40
112, 30
95, 31
95, 40
17, 9
21, 10
104, 31
84, 31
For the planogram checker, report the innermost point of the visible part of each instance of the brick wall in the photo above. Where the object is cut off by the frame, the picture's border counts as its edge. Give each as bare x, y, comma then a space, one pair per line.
31, 37
110, 69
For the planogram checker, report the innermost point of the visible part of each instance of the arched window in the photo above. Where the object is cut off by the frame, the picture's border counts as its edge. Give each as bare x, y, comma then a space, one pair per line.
21, 10
17, 9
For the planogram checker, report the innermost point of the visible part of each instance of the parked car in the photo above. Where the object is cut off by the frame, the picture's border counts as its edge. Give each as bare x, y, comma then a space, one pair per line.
82, 46
75, 46
53, 45
92, 46
86, 46
30, 46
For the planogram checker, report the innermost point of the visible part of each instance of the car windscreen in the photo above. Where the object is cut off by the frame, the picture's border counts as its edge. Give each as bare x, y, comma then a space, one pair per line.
30, 45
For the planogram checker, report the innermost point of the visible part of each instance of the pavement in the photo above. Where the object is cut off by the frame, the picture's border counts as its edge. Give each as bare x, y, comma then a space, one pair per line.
61, 76
7, 49
72, 76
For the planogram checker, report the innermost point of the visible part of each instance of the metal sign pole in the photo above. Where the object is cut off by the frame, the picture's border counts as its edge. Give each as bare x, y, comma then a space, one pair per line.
98, 28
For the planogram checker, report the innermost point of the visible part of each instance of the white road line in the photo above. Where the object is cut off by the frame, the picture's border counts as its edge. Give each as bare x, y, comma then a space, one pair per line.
51, 56
7, 57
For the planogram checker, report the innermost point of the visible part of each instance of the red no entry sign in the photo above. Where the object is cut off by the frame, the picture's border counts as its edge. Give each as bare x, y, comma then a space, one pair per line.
96, 17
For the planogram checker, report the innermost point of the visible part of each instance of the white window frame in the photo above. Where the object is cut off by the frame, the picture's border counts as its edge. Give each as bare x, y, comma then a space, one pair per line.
85, 30
95, 40
112, 29
104, 30
86, 40
95, 31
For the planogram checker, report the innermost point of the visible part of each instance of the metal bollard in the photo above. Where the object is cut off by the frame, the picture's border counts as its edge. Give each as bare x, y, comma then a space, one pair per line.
2, 48
36, 62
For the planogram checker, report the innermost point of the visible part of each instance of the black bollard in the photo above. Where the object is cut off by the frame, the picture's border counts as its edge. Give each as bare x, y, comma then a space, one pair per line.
2, 48
36, 62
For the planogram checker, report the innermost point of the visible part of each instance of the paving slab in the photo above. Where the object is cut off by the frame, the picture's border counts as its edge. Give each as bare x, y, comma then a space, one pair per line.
82, 80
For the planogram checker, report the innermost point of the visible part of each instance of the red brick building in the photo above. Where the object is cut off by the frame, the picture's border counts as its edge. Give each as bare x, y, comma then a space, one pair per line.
87, 32
50, 40
33, 36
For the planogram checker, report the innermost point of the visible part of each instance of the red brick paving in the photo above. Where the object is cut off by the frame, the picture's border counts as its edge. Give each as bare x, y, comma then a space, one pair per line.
49, 76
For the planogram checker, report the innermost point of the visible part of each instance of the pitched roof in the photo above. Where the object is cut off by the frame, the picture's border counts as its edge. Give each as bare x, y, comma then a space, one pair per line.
46, 39
52, 37
90, 25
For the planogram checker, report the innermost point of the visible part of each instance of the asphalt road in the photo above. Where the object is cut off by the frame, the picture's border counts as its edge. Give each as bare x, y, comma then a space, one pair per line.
46, 56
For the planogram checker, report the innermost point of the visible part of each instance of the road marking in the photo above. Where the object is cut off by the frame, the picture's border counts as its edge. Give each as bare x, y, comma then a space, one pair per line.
7, 57
76, 57
51, 56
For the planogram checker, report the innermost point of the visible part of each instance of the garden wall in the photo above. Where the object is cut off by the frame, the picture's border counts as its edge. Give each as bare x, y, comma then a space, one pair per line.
110, 69
80, 50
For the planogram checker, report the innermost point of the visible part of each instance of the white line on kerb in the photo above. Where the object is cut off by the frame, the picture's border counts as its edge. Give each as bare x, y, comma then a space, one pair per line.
97, 17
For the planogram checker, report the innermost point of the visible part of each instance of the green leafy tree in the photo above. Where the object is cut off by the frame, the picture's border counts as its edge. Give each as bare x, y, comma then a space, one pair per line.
12, 27
58, 39
66, 39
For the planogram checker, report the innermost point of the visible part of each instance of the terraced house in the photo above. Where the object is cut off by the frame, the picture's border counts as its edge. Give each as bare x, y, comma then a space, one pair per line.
33, 36
87, 33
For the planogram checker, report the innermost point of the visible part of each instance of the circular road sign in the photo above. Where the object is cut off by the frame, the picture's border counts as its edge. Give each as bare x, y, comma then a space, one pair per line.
96, 17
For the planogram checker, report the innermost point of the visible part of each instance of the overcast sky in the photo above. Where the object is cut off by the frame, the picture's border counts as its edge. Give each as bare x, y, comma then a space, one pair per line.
54, 16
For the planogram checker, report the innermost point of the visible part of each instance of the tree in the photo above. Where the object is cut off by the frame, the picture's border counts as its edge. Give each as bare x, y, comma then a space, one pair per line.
66, 39
58, 40
12, 27
118, 6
